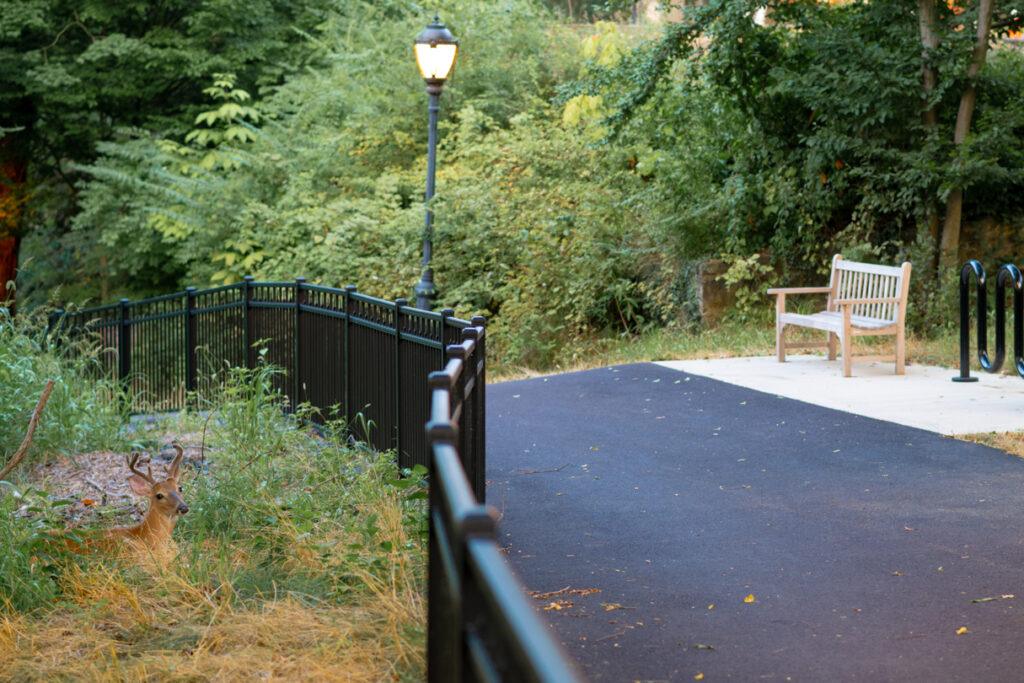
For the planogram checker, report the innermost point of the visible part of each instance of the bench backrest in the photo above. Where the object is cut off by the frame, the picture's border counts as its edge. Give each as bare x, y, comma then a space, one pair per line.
855, 280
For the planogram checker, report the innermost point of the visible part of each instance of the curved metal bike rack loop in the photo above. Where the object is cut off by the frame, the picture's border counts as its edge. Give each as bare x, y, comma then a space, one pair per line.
1007, 272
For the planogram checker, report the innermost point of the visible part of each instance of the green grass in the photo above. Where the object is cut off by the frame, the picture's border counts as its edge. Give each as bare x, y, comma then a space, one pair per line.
729, 340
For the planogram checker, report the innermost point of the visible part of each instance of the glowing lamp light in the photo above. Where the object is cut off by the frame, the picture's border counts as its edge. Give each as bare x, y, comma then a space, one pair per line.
435, 53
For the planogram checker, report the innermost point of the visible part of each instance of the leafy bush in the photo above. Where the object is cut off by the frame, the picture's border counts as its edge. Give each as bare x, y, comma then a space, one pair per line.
324, 180
805, 137
314, 513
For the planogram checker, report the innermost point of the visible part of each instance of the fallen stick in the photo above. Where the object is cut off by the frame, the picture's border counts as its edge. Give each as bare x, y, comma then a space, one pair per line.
557, 469
33, 421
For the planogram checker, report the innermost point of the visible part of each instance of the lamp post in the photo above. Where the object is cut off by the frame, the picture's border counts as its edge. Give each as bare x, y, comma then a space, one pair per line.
435, 55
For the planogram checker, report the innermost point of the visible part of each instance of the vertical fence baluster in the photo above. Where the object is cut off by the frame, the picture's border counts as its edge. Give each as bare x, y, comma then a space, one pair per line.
478, 444
299, 281
191, 374
246, 328
124, 349
403, 460
347, 410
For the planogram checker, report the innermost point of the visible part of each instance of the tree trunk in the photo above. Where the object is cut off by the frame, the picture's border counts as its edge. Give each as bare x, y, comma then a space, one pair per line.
12, 196
8, 268
950, 246
927, 17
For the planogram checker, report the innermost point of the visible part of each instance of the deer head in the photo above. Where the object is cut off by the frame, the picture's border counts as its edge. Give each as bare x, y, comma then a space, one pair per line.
154, 531
164, 496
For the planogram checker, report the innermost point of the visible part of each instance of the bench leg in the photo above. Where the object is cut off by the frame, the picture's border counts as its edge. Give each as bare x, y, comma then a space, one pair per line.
901, 350
780, 327
831, 345
847, 342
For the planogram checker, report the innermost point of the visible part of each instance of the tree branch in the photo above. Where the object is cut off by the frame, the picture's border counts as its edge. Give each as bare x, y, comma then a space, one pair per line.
33, 421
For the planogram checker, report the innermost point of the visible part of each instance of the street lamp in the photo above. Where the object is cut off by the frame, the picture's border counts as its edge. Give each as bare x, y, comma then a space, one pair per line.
435, 55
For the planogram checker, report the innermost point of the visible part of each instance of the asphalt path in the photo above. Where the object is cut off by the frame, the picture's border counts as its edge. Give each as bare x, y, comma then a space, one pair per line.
673, 527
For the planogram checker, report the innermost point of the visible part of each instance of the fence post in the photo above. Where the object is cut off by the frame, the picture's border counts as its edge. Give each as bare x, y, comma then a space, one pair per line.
402, 460
347, 411
124, 343
462, 417
299, 281
445, 314
246, 331
191, 374
475, 419
54, 325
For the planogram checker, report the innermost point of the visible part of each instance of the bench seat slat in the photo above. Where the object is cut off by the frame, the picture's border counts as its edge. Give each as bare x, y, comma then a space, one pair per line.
833, 321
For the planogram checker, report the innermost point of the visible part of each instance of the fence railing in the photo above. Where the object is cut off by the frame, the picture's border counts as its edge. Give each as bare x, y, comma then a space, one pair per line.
480, 626
347, 354
1008, 274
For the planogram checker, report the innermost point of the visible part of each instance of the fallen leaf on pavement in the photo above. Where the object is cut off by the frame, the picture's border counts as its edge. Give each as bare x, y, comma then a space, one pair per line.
559, 605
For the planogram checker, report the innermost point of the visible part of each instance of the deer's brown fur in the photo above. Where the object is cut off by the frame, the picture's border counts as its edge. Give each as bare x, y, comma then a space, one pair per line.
154, 531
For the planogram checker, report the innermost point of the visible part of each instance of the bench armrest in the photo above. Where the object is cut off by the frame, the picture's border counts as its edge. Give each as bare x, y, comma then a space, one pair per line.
799, 290
854, 302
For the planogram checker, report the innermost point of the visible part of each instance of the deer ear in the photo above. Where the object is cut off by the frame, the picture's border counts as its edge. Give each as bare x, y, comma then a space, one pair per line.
140, 486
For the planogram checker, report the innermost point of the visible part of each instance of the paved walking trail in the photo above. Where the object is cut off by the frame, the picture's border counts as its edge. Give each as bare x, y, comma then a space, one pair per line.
698, 529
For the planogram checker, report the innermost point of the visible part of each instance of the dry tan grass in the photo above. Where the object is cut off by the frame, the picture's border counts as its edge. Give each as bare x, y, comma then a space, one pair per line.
1011, 442
152, 622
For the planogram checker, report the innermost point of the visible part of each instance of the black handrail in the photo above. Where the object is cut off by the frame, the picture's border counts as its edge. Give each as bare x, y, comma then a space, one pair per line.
480, 625
974, 270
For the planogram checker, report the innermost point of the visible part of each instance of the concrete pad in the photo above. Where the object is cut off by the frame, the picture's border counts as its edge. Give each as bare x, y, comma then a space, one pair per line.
925, 397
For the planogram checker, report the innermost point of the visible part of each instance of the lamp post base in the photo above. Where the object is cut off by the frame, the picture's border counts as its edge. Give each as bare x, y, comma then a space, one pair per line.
426, 292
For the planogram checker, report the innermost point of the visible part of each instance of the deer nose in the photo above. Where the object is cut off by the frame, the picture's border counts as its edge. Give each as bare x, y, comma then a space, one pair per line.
182, 509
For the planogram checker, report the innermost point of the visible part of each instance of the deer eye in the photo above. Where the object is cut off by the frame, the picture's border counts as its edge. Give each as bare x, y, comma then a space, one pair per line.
159, 496
180, 490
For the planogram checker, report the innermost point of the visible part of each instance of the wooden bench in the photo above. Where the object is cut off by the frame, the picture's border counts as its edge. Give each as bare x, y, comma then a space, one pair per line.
863, 299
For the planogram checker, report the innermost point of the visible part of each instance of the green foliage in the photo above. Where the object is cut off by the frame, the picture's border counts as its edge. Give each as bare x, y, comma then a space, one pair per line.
805, 137
29, 577
82, 412
579, 218
594, 10
77, 74
326, 184
273, 487
534, 234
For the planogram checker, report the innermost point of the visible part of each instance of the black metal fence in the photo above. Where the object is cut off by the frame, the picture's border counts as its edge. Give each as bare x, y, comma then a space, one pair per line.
345, 353
1008, 274
480, 626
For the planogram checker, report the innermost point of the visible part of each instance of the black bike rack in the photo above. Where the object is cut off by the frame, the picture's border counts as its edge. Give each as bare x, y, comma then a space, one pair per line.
1008, 272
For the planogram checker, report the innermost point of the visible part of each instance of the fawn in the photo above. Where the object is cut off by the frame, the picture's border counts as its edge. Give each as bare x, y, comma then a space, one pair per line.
165, 506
